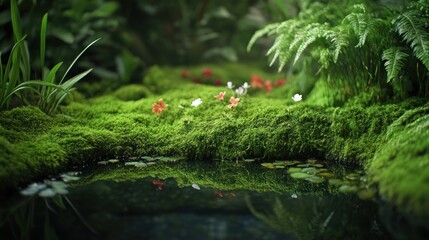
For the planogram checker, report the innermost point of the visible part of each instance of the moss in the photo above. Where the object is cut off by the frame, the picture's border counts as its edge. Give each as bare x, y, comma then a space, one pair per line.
21, 123
131, 92
401, 167
390, 139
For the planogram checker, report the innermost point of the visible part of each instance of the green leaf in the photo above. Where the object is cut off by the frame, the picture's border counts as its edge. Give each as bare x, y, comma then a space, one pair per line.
43, 42
395, 58
411, 26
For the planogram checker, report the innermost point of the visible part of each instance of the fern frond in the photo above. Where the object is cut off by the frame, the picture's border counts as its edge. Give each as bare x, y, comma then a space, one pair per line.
359, 22
395, 60
339, 38
317, 31
411, 26
262, 32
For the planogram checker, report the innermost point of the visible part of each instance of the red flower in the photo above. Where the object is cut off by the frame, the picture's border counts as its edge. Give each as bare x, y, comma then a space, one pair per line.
159, 106
268, 86
220, 96
256, 81
280, 82
207, 73
218, 82
234, 102
159, 183
185, 74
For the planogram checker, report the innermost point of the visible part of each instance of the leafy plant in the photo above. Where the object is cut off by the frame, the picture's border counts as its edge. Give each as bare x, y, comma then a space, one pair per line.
354, 47
16, 76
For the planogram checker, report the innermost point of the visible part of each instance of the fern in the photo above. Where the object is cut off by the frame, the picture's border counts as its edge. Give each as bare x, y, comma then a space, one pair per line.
395, 60
411, 26
262, 32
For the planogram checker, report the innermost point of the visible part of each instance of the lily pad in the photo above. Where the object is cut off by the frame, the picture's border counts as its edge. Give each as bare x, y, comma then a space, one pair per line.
140, 165
131, 163
149, 159
48, 192
326, 174
309, 170
335, 182
352, 176
169, 159
303, 165
300, 175
294, 170
312, 161
249, 160
348, 189
268, 165
102, 163
113, 160
277, 163
150, 163
318, 165
291, 163
315, 179
67, 177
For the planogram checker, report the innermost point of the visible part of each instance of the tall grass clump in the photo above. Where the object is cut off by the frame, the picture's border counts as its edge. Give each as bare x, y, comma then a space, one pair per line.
15, 78
354, 46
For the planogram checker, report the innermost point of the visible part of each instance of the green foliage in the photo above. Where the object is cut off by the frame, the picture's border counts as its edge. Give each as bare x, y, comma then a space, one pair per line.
351, 42
16, 76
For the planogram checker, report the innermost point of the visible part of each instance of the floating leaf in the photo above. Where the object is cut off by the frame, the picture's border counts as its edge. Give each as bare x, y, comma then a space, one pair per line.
352, 176
249, 160
102, 162
348, 189
131, 163
312, 161
149, 159
326, 174
268, 165
335, 182
291, 163
277, 163
309, 170
113, 160
318, 165
48, 192
315, 179
140, 165
294, 170
303, 165
67, 177
150, 163
300, 175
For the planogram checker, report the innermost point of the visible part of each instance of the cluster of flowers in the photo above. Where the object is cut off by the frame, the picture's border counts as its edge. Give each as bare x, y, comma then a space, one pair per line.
257, 82
206, 77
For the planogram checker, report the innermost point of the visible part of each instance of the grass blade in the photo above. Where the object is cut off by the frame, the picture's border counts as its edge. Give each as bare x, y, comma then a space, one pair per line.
43, 43
74, 61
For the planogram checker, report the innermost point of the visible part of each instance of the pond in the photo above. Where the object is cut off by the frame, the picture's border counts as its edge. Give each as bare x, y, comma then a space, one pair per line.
182, 200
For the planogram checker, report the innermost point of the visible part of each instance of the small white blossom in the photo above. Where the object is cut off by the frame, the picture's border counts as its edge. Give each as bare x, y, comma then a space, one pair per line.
239, 91
246, 85
294, 196
196, 102
195, 186
229, 85
297, 97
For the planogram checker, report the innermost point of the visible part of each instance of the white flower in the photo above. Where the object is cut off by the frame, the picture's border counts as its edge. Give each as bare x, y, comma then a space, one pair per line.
239, 91
195, 186
294, 196
297, 97
229, 85
246, 85
196, 102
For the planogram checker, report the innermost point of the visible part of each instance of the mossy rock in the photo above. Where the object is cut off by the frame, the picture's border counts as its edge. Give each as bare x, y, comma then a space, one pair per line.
132, 92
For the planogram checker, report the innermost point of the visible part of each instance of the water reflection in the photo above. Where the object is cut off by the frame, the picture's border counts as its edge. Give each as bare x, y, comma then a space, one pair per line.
229, 203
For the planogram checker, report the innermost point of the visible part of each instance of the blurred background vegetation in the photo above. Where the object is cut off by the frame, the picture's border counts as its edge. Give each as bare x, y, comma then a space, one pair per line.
137, 34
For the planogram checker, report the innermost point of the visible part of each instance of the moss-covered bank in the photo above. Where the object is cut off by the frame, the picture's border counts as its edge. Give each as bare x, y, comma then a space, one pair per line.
391, 140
